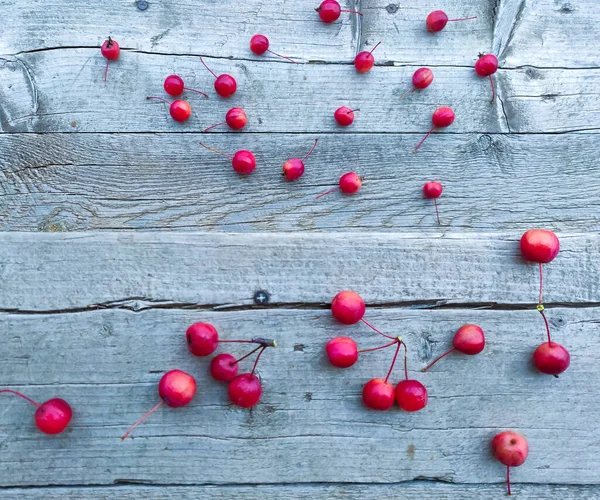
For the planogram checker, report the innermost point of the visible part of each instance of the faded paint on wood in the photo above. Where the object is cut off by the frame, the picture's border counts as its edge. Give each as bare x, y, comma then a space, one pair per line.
74, 182
107, 364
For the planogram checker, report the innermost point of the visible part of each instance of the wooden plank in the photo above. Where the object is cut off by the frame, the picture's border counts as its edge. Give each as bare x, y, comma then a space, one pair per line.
205, 270
73, 182
107, 364
414, 490
198, 27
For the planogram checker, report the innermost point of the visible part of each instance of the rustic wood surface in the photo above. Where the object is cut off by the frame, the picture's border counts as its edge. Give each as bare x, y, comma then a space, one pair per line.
93, 309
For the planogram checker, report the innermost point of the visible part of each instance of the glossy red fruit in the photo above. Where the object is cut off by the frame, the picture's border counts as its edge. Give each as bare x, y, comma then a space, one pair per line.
344, 116
411, 395
437, 20
111, 51
259, 44
53, 416
202, 339
177, 388
243, 162
539, 245
293, 169
487, 65
422, 78
348, 307
224, 367
510, 449
432, 189
235, 118
225, 85
378, 394
245, 390
174, 86
349, 183
364, 61
469, 339
551, 358
330, 10
342, 352
180, 110
441, 118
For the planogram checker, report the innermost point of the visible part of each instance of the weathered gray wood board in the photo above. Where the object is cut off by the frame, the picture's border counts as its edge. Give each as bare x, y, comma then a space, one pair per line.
107, 364
415, 490
49, 272
74, 182
63, 91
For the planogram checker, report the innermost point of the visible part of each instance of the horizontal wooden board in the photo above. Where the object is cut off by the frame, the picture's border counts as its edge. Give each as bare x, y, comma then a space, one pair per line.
107, 364
74, 182
413, 490
47, 272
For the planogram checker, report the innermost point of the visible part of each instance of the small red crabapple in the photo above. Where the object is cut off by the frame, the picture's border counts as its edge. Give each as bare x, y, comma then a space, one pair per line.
364, 61
174, 86
421, 79
348, 307
245, 390
294, 168
342, 352
202, 339
510, 449
433, 190
225, 85
344, 115
487, 65
179, 110
330, 10
235, 118
541, 246
350, 183
110, 50
437, 20
51, 417
411, 395
259, 44
468, 339
441, 118
243, 161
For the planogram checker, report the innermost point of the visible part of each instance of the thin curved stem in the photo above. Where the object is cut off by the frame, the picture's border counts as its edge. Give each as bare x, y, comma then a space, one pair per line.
256, 361
106, 70
380, 347
376, 45
247, 355
22, 396
437, 359
393, 361
353, 110
240, 341
540, 308
407, 92
215, 125
197, 91
311, 150
212, 72
222, 154
493, 90
328, 192
405, 361
426, 136
437, 212
508, 479
352, 12
283, 57
375, 329
157, 98
541, 285
141, 420
462, 19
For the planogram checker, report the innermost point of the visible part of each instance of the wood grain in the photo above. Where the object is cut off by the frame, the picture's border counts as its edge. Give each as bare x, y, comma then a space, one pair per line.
75, 182
47, 272
107, 364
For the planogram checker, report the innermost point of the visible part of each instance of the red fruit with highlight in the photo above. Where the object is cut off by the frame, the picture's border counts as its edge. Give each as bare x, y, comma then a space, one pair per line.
510, 449
468, 339
437, 20
180, 110
539, 245
350, 183
202, 339
224, 368
51, 417
441, 118
348, 307
111, 51
259, 44
245, 390
378, 394
421, 79
551, 358
330, 10
411, 395
174, 86
364, 61
225, 85
432, 190
243, 161
342, 352
344, 116
487, 65
293, 169
235, 118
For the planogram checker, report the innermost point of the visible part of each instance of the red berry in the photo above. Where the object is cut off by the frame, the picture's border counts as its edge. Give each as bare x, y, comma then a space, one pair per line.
53, 416
344, 116
225, 85
245, 390
539, 245
348, 307
294, 168
378, 394
437, 20
432, 189
510, 448
364, 61
486, 65
330, 10
411, 395
551, 358
442, 117
422, 78
110, 49
224, 368
342, 352
180, 110
259, 44
243, 162
202, 339
176, 388
174, 86
350, 183
469, 339
236, 118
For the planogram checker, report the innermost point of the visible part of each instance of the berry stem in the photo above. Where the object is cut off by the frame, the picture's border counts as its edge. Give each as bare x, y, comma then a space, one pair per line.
437, 359
23, 396
376, 45
157, 98
540, 308
380, 347
283, 57
508, 479
227, 156
405, 361
462, 19
328, 192
141, 420
249, 354
426, 136
393, 360
352, 11
437, 212
212, 72
197, 91
311, 150
240, 341
256, 361
213, 126
493, 91
352, 111
375, 329
407, 92
541, 283
106, 71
